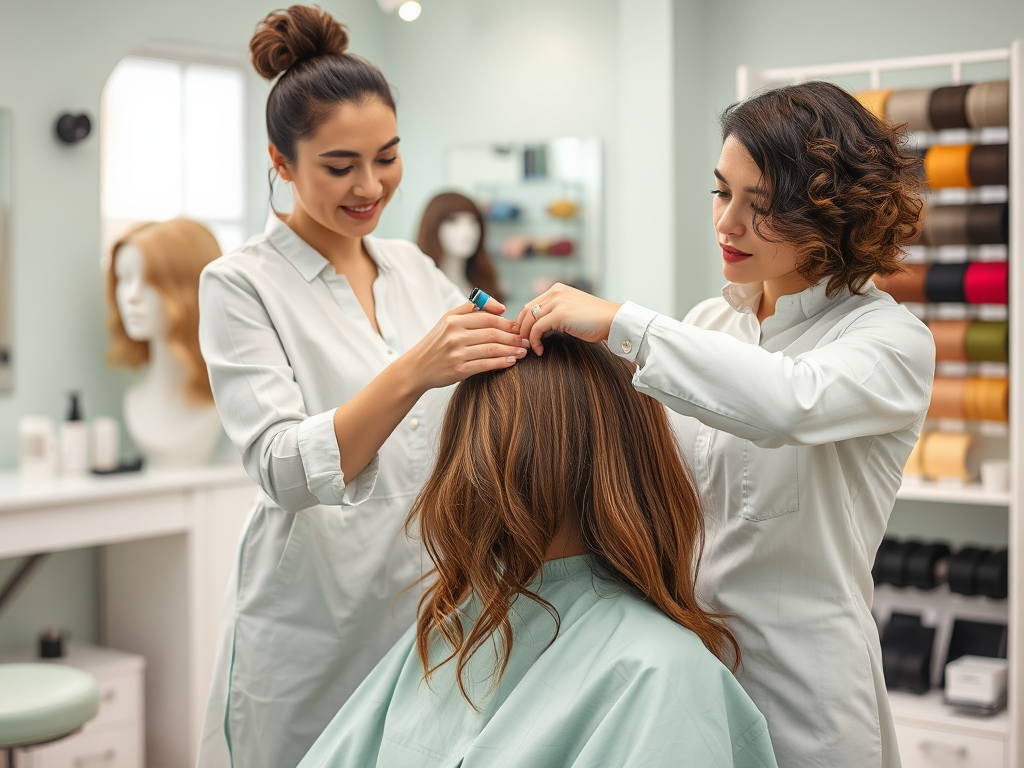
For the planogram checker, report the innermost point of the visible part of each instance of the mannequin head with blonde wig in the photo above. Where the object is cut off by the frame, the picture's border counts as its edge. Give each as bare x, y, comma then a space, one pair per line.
173, 254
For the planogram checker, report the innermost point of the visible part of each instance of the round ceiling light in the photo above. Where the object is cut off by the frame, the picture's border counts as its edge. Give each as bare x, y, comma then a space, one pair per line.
410, 11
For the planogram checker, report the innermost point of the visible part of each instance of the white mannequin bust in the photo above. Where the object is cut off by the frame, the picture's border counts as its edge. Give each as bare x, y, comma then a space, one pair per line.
166, 427
459, 236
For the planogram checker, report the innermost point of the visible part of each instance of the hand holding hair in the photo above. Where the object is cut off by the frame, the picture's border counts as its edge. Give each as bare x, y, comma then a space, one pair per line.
569, 310
464, 342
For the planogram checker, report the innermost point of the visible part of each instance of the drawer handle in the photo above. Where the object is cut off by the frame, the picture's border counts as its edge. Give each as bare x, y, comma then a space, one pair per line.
109, 695
100, 758
938, 748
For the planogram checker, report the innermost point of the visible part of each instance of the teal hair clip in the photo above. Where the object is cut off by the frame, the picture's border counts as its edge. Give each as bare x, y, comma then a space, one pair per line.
479, 298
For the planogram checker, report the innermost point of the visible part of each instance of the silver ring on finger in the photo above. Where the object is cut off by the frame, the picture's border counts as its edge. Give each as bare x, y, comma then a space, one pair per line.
535, 310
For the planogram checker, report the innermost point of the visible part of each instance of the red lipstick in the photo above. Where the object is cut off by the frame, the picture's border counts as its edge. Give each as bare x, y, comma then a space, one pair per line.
733, 255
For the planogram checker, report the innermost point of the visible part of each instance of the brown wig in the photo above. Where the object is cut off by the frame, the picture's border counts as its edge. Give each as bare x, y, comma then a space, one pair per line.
480, 270
522, 449
174, 253
841, 185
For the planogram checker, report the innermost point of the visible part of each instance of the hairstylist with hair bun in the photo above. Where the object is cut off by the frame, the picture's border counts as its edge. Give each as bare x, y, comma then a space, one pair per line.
805, 389
330, 354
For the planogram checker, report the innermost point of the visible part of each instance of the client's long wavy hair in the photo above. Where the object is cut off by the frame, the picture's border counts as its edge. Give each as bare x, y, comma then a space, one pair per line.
563, 434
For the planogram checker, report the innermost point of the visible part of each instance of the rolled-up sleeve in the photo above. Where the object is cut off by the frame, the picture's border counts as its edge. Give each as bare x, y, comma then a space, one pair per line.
293, 456
875, 378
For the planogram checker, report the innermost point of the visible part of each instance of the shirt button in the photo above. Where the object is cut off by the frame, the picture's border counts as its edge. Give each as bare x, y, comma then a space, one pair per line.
627, 347
391, 351
414, 423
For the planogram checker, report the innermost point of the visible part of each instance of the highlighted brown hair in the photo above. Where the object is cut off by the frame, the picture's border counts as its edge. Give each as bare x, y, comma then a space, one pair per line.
841, 185
522, 449
174, 253
480, 270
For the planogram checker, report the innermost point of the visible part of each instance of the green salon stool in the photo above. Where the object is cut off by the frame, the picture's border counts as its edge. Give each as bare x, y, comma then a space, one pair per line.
43, 702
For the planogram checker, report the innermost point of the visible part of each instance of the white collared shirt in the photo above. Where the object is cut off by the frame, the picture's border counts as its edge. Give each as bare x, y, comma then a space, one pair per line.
312, 607
286, 342
796, 430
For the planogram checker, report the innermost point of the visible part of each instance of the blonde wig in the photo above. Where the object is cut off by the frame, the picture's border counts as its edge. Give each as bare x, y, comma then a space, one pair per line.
173, 253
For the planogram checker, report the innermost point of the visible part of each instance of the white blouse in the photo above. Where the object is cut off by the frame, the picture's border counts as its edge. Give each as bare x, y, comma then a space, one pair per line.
796, 430
323, 556
287, 342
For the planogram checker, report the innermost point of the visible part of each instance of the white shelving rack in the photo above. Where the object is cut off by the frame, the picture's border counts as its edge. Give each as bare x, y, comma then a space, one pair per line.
925, 720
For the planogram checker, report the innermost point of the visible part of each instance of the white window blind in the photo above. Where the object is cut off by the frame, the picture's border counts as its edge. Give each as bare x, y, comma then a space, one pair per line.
173, 138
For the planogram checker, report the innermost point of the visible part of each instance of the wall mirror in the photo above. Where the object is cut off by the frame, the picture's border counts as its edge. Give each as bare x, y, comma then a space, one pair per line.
5, 217
542, 205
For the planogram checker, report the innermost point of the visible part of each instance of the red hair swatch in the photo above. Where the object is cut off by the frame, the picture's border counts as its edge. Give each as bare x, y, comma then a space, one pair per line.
985, 282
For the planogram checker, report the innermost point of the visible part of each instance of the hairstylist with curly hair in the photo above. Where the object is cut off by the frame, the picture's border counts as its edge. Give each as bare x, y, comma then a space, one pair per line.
804, 389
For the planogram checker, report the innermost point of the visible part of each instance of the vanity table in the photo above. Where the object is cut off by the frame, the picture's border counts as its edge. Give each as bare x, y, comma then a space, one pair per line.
170, 538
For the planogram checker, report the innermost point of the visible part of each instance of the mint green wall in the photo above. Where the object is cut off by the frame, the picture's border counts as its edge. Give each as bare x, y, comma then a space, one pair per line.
61, 593
694, 270
56, 56
713, 38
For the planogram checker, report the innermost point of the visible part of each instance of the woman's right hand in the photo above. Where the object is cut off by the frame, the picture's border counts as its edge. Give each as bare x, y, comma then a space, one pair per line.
464, 342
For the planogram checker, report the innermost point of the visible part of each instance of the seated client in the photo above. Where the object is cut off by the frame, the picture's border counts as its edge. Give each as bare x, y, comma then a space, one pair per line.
560, 625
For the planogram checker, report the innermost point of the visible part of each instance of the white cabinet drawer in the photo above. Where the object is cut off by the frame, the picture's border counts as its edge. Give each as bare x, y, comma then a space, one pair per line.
116, 746
926, 748
120, 699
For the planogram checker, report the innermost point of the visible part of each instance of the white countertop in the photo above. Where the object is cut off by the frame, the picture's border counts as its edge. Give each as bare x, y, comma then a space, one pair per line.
17, 493
96, 659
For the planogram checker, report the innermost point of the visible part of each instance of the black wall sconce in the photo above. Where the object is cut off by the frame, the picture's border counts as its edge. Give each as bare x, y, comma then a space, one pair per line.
71, 129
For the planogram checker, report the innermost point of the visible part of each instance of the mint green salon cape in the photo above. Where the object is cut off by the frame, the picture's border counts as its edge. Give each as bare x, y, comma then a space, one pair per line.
622, 685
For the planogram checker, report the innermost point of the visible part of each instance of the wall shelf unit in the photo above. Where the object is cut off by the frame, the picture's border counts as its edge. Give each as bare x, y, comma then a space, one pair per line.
968, 493
567, 170
929, 732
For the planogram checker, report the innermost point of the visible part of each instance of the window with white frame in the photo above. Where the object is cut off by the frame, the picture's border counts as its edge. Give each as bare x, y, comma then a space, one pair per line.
173, 144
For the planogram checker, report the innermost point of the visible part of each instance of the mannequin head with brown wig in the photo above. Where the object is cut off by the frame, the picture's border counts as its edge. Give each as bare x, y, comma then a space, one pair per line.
479, 268
173, 255
556, 448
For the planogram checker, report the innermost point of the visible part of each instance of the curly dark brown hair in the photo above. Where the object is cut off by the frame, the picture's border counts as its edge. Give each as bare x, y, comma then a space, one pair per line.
842, 185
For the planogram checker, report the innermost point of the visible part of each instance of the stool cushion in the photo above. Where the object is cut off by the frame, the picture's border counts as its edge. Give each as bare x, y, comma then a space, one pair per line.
42, 702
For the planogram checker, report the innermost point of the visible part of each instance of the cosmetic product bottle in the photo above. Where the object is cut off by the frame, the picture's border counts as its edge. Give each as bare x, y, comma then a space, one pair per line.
51, 644
37, 447
104, 435
74, 440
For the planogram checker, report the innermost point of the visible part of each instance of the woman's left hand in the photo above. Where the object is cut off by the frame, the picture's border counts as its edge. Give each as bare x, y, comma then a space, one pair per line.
568, 310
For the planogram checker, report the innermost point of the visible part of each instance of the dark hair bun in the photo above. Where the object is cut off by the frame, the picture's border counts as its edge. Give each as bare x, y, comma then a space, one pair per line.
291, 35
